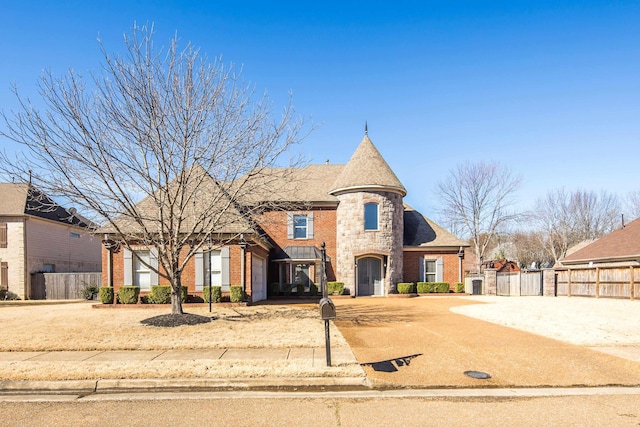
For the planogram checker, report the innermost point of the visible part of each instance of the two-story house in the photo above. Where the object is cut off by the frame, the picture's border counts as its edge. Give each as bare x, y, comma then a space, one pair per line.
38, 235
373, 240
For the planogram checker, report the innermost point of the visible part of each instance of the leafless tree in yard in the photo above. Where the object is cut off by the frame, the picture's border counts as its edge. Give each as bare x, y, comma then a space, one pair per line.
632, 205
566, 219
477, 198
164, 147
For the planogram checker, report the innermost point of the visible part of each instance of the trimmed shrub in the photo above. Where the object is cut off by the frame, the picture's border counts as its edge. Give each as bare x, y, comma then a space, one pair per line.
300, 289
106, 295
460, 287
215, 292
159, 295
335, 288
442, 288
313, 289
431, 287
274, 289
128, 294
425, 287
235, 293
406, 288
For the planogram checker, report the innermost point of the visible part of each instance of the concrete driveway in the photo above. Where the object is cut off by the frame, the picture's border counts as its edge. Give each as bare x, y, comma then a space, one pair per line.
419, 342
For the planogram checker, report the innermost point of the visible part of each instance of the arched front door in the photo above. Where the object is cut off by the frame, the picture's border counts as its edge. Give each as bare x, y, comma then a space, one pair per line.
370, 276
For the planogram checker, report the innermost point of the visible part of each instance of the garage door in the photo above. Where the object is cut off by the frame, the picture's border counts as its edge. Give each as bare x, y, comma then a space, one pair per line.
258, 279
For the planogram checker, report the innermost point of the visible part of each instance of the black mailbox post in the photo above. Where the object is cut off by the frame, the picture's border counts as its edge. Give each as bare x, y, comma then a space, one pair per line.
327, 308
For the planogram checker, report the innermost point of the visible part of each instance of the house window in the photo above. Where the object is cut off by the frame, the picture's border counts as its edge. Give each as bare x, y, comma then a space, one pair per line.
213, 268
433, 270
300, 226
3, 234
429, 271
141, 270
74, 235
48, 268
371, 216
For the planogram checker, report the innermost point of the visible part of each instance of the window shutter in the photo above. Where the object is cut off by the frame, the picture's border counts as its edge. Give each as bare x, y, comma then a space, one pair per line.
440, 270
289, 226
199, 266
128, 267
153, 263
224, 255
310, 225
422, 274
3, 234
4, 275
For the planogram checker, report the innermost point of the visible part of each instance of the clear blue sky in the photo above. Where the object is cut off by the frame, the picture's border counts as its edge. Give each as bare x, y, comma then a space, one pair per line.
549, 88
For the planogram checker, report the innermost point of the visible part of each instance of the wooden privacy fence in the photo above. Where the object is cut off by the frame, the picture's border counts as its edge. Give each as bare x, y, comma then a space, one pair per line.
62, 285
608, 282
519, 283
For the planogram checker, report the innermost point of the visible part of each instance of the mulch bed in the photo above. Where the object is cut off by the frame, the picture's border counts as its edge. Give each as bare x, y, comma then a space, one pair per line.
173, 320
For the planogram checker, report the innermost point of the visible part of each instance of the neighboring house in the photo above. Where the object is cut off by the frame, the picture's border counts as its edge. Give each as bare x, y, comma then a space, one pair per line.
373, 240
38, 235
620, 248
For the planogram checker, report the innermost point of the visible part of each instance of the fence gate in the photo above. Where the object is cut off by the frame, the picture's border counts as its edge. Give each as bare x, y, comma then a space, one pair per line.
503, 284
531, 283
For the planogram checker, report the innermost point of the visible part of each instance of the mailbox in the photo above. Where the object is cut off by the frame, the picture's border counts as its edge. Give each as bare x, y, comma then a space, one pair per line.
327, 309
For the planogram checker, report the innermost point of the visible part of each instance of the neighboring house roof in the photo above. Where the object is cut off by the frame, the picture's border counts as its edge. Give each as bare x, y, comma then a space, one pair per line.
502, 265
620, 245
420, 231
367, 169
24, 199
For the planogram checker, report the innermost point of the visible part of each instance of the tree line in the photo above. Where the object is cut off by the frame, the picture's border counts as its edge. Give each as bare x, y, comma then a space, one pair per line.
477, 202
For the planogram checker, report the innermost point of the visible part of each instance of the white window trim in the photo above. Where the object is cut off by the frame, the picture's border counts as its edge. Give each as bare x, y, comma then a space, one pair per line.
439, 273
291, 225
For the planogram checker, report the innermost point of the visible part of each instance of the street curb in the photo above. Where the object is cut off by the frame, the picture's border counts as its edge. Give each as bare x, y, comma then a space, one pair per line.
110, 386
48, 387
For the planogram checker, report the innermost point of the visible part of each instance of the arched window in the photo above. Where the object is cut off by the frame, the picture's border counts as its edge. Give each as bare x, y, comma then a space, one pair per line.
371, 216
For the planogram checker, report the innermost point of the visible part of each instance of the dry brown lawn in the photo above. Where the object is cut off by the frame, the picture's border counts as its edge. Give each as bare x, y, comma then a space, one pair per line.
74, 327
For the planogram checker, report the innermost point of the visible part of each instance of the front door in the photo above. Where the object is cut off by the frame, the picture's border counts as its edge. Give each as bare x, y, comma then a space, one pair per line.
369, 276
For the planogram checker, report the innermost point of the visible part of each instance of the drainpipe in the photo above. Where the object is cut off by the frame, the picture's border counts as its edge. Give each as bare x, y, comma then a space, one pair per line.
243, 249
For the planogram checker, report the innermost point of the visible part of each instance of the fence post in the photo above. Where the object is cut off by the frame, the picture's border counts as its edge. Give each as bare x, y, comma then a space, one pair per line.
597, 282
632, 282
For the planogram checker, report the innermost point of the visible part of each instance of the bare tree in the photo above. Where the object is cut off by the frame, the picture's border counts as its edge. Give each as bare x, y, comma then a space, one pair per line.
477, 198
165, 148
632, 205
566, 219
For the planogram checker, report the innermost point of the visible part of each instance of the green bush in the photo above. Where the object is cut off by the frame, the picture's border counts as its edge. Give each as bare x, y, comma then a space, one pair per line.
300, 289
460, 287
274, 289
313, 289
159, 295
215, 292
406, 288
89, 292
431, 287
335, 288
236, 293
128, 294
106, 295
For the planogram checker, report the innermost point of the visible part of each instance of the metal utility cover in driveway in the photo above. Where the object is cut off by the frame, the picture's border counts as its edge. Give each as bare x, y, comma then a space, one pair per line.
477, 375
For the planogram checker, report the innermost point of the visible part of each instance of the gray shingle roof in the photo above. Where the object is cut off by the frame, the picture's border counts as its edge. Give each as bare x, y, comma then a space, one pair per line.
420, 231
22, 199
367, 169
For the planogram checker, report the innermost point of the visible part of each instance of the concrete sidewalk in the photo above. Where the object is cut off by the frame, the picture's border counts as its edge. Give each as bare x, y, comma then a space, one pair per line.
312, 357
315, 356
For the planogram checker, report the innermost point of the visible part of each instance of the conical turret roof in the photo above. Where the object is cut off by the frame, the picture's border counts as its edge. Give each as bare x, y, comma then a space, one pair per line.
367, 170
